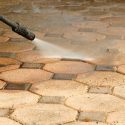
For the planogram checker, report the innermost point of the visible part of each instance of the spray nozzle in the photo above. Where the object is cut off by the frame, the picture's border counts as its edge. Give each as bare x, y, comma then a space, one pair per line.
16, 27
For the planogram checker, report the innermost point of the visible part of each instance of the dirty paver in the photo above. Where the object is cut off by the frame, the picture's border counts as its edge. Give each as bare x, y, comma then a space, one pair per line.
38, 90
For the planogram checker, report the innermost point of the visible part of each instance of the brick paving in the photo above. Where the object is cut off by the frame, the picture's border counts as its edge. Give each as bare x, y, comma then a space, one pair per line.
37, 90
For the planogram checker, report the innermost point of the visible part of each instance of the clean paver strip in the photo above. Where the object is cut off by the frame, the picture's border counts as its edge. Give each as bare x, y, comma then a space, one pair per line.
96, 103
25, 76
61, 88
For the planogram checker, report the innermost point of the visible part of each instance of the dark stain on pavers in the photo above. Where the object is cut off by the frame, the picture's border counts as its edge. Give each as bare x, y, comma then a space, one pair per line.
11, 86
32, 65
61, 76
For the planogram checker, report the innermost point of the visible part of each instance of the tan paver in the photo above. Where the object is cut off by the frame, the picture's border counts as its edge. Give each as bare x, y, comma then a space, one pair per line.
96, 103
2, 84
8, 61
84, 36
16, 47
72, 67
9, 67
86, 123
34, 56
7, 121
63, 88
15, 98
44, 114
3, 39
116, 118
25, 75
119, 91
104, 78
8, 64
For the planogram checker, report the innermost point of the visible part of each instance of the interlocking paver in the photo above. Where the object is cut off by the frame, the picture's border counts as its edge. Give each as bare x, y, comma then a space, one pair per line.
103, 90
86, 123
15, 98
44, 114
119, 91
52, 99
63, 88
69, 67
96, 103
3, 39
25, 76
7, 121
116, 118
34, 57
32, 66
63, 76
104, 78
8, 61
11, 86
92, 116
15, 47
105, 68
7, 64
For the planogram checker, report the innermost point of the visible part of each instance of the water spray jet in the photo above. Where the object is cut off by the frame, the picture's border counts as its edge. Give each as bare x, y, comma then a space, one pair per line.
16, 27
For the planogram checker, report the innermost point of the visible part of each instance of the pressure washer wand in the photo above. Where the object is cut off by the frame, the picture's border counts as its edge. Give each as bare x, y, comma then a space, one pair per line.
16, 27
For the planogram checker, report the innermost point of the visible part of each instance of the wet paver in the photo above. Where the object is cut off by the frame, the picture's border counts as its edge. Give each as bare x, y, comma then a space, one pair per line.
34, 57
15, 47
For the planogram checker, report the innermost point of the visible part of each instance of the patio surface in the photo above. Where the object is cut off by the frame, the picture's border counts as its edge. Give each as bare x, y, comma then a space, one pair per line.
37, 90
